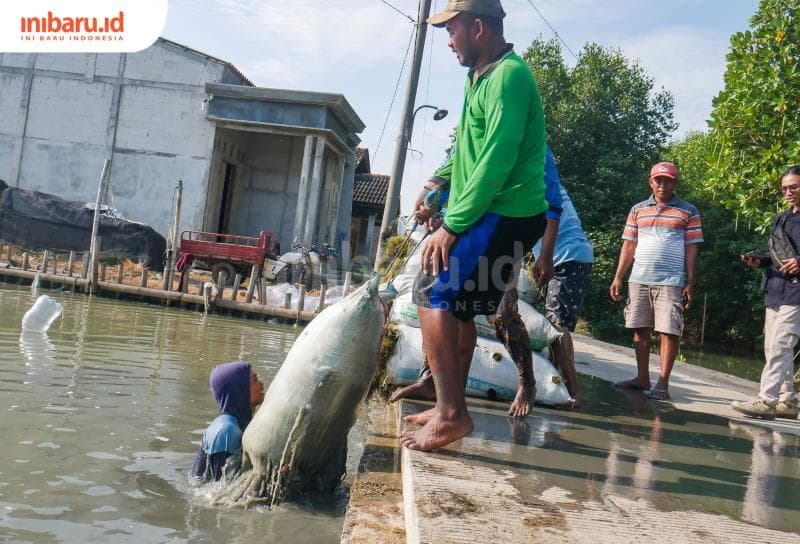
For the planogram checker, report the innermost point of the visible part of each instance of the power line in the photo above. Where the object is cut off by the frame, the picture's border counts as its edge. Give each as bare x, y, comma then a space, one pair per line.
407, 16
551, 28
394, 95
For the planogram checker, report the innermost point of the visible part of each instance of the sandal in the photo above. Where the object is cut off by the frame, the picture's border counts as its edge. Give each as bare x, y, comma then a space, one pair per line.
657, 393
631, 385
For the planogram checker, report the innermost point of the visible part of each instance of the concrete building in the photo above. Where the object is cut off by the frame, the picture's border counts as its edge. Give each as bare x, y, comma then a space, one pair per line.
369, 197
250, 158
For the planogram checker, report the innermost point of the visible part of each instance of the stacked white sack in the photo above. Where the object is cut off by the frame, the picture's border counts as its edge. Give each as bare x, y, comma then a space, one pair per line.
492, 374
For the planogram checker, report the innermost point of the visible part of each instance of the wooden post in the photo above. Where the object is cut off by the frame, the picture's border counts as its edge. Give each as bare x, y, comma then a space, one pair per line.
287, 301
25, 260
103, 270
143, 280
348, 278
167, 277
92, 285
70, 264
120, 272
222, 277
85, 262
255, 272
94, 240
8, 254
301, 300
703, 328
323, 288
55, 263
187, 279
237, 281
45, 258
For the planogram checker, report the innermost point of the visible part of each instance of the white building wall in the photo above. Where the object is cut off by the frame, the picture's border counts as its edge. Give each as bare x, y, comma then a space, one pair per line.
265, 195
10, 124
161, 132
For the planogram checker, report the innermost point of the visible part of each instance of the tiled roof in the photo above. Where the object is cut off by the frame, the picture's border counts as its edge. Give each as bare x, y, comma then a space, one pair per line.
361, 154
370, 189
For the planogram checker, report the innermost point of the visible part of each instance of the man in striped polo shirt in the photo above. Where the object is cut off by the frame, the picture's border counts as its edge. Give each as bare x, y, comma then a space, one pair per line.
661, 240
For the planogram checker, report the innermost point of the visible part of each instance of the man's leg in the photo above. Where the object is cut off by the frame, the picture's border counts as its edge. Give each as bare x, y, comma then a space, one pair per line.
668, 317
510, 329
641, 345
564, 360
669, 349
421, 389
450, 420
563, 300
639, 317
466, 348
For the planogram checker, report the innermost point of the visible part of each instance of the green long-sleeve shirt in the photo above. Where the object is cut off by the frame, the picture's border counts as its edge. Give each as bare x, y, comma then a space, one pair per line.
498, 164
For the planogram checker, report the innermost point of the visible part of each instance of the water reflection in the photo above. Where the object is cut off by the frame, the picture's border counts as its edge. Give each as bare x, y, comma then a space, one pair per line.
622, 444
36, 347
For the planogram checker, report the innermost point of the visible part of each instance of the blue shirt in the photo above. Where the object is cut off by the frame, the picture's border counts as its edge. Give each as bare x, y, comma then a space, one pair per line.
571, 242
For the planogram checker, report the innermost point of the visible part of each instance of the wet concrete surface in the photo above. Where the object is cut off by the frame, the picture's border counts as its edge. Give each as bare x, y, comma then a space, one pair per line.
621, 443
621, 460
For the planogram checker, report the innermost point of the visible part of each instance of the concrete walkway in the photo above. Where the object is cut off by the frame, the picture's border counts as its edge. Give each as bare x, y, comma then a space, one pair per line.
510, 480
693, 388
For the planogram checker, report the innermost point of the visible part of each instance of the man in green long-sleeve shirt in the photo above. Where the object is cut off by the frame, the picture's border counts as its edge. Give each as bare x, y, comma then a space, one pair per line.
496, 211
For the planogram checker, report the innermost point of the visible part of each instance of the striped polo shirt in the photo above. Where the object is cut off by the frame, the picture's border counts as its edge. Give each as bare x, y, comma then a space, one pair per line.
661, 233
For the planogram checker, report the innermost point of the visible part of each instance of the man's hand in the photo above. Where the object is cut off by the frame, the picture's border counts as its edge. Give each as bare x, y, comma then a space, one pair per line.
688, 296
751, 261
437, 252
615, 291
790, 267
542, 270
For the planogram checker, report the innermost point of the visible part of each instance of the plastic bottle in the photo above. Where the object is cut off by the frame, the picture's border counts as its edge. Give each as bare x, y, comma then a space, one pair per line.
44, 311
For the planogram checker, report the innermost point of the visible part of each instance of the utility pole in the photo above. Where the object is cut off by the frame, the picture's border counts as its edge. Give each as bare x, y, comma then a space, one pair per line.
392, 206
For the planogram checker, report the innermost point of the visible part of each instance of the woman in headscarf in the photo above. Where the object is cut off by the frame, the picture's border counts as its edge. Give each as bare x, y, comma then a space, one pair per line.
238, 391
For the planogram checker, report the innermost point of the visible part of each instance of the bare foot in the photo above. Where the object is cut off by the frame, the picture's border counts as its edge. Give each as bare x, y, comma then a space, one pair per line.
438, 432
421, 418
521, 406
418, 390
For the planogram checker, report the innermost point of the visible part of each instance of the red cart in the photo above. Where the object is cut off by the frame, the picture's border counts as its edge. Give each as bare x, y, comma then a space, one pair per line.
227, 252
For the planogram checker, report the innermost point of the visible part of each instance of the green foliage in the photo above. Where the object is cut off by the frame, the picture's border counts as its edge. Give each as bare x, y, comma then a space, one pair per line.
755, 128
607, 125
734, 301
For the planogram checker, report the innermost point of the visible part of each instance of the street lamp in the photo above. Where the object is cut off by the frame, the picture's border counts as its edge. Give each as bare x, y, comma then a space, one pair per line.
392, 206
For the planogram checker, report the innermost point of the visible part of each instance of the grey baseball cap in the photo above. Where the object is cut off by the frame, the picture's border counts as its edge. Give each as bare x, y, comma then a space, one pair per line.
490, 8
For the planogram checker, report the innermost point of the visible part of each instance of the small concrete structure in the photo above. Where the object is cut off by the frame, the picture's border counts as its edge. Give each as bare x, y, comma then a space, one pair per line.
250, 158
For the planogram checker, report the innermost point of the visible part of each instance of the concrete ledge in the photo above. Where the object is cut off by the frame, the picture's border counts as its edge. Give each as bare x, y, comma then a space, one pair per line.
375, 511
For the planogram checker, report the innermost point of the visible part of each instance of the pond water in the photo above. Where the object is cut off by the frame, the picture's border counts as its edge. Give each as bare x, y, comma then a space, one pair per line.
103, 416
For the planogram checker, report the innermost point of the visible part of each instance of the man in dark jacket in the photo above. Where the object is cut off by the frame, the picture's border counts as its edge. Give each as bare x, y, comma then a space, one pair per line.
776, 397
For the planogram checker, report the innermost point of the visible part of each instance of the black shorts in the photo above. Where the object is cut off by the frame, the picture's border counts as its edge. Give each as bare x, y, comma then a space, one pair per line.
565, 293
481, 262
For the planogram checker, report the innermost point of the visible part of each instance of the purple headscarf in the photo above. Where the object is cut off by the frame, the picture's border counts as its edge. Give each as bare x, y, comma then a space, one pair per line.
230, 383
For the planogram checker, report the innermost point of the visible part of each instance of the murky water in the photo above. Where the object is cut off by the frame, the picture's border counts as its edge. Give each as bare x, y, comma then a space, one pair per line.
102, 417
620, 443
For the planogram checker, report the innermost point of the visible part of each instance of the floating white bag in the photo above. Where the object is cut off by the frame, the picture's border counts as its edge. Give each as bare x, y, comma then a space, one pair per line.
44, 311
492, 374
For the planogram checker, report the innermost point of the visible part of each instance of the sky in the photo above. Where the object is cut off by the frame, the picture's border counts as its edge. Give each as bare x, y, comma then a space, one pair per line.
357, 48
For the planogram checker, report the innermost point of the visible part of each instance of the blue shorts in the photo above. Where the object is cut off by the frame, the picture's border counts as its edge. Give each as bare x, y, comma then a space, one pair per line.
481, 261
